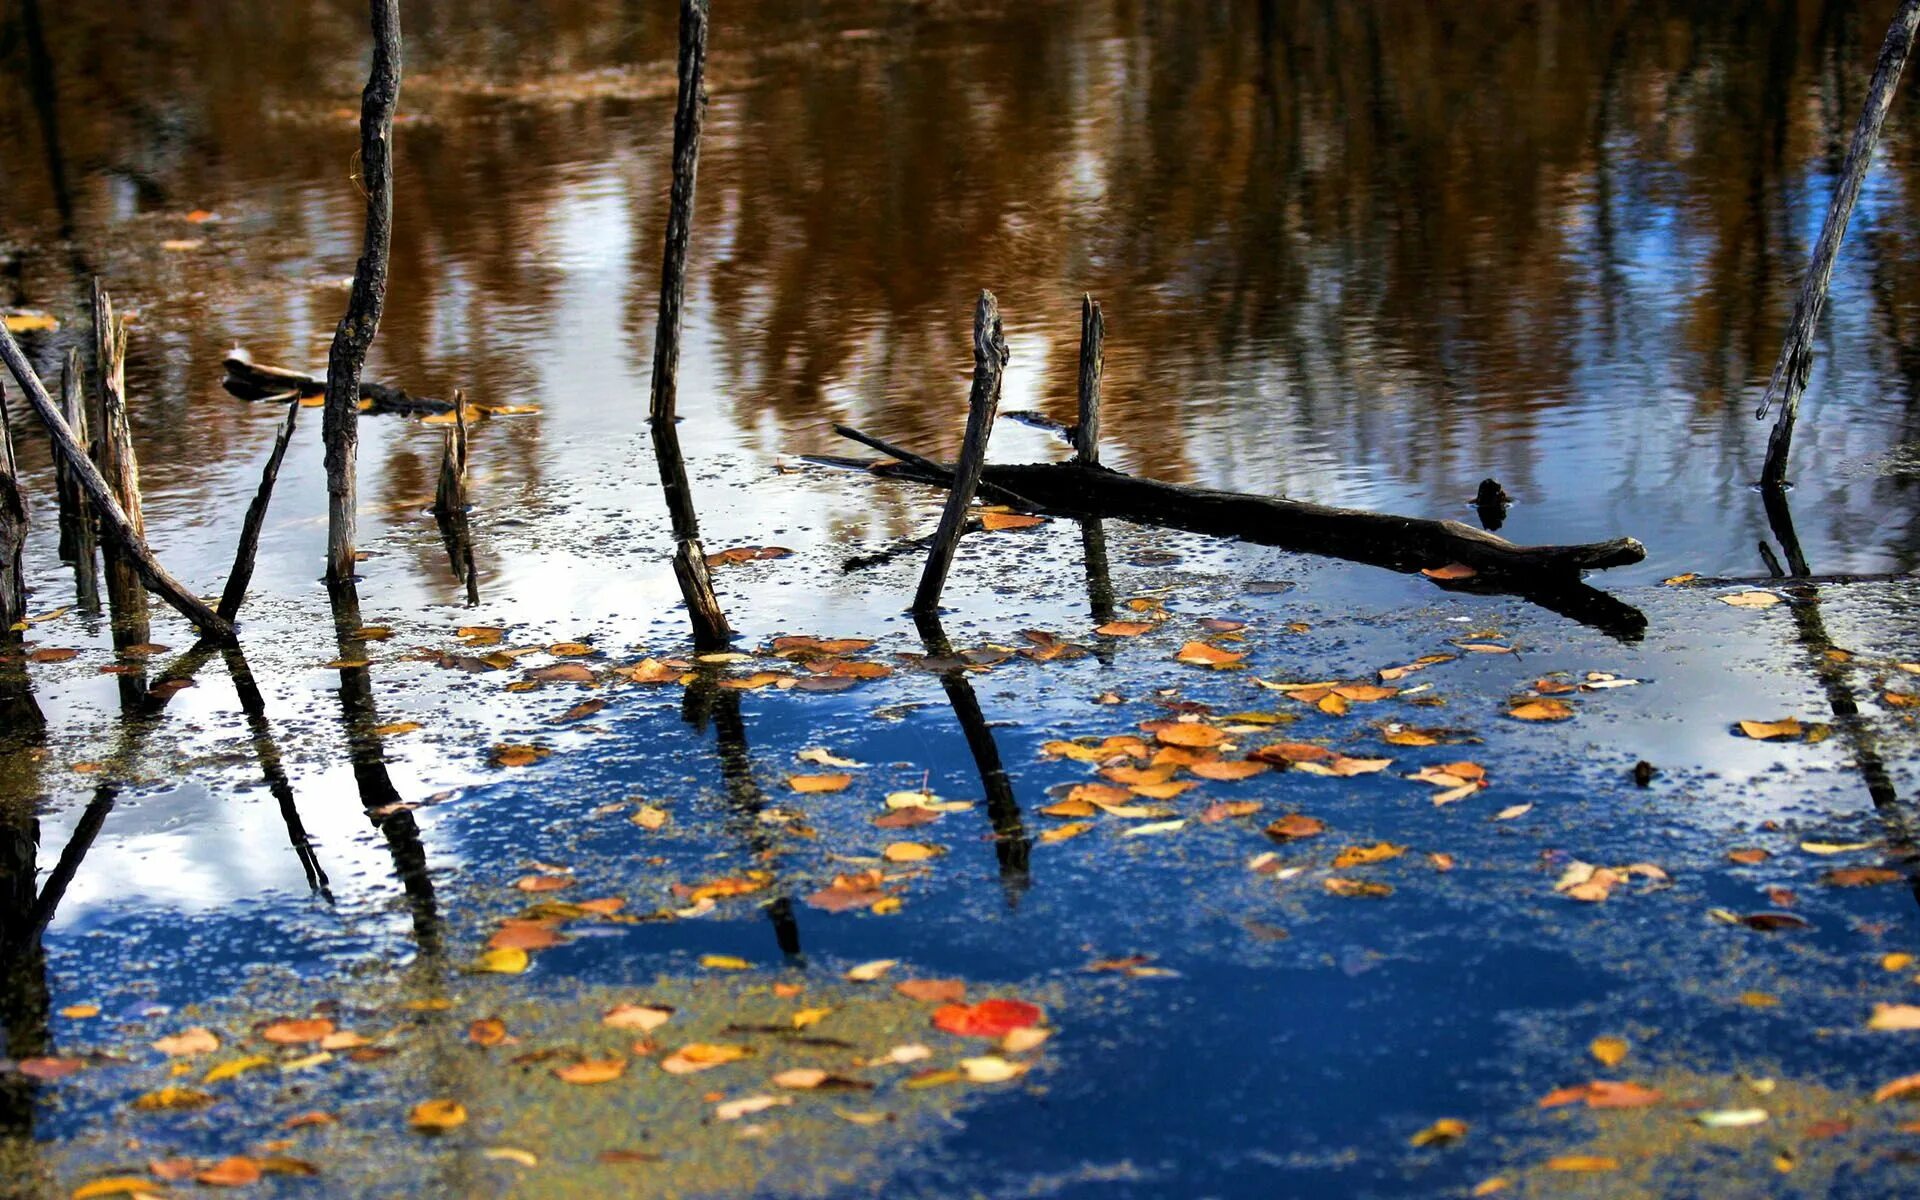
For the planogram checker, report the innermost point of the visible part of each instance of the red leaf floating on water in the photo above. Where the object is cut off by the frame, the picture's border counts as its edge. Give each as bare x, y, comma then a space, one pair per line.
987, 1019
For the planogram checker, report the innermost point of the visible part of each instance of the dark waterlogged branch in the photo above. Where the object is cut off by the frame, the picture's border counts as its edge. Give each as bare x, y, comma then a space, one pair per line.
1796, 351
242, 574
79, 544
340, 418
450, 505
710, 629
13, 539
113, 519
1086, 451
113, 454
983, 402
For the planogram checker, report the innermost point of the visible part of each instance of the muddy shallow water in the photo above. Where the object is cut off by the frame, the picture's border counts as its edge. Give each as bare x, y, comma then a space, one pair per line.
1367, 257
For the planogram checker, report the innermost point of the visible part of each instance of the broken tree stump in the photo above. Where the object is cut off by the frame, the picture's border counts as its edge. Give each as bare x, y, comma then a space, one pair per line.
79, 543
710, 629
450, 504
113, 520
113, 454
1796, 350
983, 404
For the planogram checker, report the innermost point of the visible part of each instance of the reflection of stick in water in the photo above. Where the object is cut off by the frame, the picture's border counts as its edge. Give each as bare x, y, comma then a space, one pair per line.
365, 750
745, 801
710, 630
1011, 845
255, 707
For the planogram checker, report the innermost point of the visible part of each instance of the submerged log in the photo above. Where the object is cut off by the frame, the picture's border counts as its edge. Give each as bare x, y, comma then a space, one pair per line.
1402, 543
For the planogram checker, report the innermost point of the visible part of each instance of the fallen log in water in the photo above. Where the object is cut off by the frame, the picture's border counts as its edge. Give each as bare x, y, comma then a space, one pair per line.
1072, 489
250, 380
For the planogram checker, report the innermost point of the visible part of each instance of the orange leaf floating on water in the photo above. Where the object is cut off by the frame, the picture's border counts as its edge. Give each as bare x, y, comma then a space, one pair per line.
524, 935
741, 554
1132, 776
836, 782
1365, 888
904, 852
48, 1068
1443, 1132
649, 670
1224, 810
1390, 674
542, 883
197, 1040
1769, 731
1450, 571
702, 1056
994, 522
1291, 752
1583, 1163
1162, 791
567, 672
801, 646
1226, 771
297, 1032
518, 756
437, 1116
1604, 1093
1098, 793
1861, 877
1360, 856
644, 1017
1190, 734
1069, 808
989, 1018
1894, 1017
592, 1070
933, 991
1200, 654
237, 1171
488, 1031
1294, 826
864, 890
1610, 1051
1906, 1085
1541, 710
1124, 628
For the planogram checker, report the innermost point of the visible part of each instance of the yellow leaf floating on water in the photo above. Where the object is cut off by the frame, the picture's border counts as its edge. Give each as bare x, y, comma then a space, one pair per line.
867, 972
1061, 833
991, 1068
724, 962
173, 1098
508, 960
31, 322
1360, 856
906, 852
118, 1185
809, 1017
518, 756
512, 1154
437, 1116
650, 817
994, 522
1443, 1132
80, 1012
1750, 599
1768, 731
733, 1110
592, 1070
702, 1056
235, 1067
819, 783
1891, 1017
644, 1017
1611, 1051
1541, 710
1583, 1163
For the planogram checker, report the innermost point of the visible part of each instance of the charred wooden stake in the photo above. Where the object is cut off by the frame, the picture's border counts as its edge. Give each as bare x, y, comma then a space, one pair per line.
450, 502
983, 403
242, 574
113, 453
340, 419
710, 630
1086, 450
79, 540
113, 519
1796, 351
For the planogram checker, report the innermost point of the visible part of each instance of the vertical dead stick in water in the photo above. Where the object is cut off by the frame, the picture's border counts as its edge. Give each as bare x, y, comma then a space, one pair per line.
242, 574
710, 631
983, 404
113, 520
340, 429
1086, 451
79, 543
13, 538
1796, 352
450, 501
113, 452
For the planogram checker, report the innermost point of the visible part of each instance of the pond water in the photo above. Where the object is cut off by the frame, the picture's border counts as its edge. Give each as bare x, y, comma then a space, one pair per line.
1363, 254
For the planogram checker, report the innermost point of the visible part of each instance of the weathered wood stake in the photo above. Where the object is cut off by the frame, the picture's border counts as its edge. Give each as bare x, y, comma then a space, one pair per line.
340, 429
710, 630
450, 503
79, 538
983, 404
1796, 351
113, 453
1093, 343
242, 574
13, 538
113, 519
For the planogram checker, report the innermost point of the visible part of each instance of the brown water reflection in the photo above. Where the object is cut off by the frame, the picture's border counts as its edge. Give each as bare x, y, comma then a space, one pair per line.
1363, 252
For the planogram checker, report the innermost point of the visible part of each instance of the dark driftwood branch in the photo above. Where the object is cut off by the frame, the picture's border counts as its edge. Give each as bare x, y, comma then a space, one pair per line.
450, 502
710, 630
79, 545
1796, 351
242, 574
1404, 543
891, 450
113, 519
250, 380
983, 402
340, 419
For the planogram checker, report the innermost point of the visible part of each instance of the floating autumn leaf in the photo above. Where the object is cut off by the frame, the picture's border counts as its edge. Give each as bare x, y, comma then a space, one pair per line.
702, 1056
507, 960
1894, 1017
991, 1068
1294, 826
297, 1032
1360, 856
1609, 1051
853, 891
510, 755
1187, 733
1849, 877
649, 670
822, 757
811, 784
1226, 810
724, 962
1362, 888
905, 818
742, 554
49, 1068
867, 972
131, 1186
542, 883
989, 1018
994, 522
1603, 1093
187, 1042
906, 852
172, 1099
1748, 855
592, 1070
1731, 1118
1583, 1163
926, 800
644, 1017
1342, 766
525, 935
1200, 654
1540, 710
236, 1171
437, 1116
234, 1068
1390, 674
80, 1012
1450, 571
1124, 628
512, 1154
1750, 599
1227, 770
1062, 833
1769, 731
1906, 1085
1444, 1132
1291, 753
1513, 811
733, 1110
27, 321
